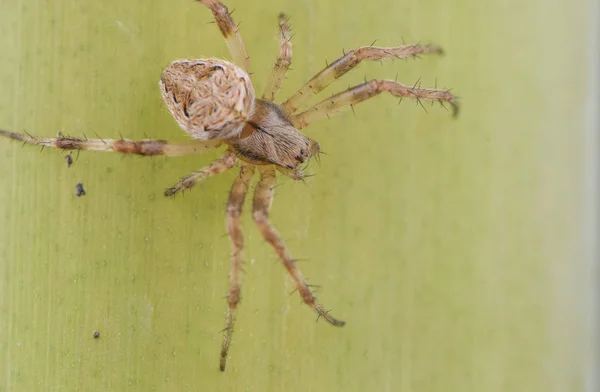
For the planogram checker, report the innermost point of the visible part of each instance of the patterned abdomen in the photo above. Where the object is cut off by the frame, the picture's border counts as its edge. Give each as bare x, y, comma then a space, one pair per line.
209, 98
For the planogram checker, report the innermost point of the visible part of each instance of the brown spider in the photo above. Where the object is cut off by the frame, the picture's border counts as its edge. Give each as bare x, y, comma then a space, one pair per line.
213, 101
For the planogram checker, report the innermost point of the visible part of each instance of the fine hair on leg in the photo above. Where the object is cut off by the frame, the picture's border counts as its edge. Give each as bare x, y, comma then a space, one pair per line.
226, 162
230, 32
143, 147
354, 95
237, 195
283, 62
261, 206
345, 63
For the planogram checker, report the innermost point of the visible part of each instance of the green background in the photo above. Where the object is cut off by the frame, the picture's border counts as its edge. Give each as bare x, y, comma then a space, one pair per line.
454, 249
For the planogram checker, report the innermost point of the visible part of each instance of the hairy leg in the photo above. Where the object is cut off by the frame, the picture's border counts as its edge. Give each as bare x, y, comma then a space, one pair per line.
226, 162
143, 147
237, 195
283, 62
230, 32
364, 91
345, 63
263, 196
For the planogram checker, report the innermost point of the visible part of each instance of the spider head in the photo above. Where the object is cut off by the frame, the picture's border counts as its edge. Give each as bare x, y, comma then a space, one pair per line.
209, 98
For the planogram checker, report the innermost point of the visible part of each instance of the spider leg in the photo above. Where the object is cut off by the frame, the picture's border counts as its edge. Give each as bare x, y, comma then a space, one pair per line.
230, 32
346, 99
263, 196
283, 62
348, 61
237, 195
226, 162
143, 147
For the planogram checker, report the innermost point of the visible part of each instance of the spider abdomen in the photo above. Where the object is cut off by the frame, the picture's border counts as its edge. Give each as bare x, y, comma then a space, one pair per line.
209, 98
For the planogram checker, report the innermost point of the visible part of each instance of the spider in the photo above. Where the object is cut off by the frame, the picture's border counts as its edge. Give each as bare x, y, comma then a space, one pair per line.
213, 101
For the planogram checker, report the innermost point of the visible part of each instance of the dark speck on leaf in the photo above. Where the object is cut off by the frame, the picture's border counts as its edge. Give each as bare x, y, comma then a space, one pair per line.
79, 191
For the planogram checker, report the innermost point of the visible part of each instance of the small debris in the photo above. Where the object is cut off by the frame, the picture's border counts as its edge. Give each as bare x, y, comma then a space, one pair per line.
96, 335
69, 160
79, 191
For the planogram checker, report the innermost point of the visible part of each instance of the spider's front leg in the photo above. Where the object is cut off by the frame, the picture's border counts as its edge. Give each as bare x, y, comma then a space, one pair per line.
237, 196
364, 91
283, 62
230, 32
263, 197
345, 63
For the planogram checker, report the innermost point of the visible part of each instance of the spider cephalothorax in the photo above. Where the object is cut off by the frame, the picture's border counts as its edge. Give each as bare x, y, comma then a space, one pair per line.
214, 102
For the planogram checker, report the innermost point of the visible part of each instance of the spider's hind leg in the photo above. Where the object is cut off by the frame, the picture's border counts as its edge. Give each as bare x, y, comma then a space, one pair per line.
263, 197
143, 147
230, 32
